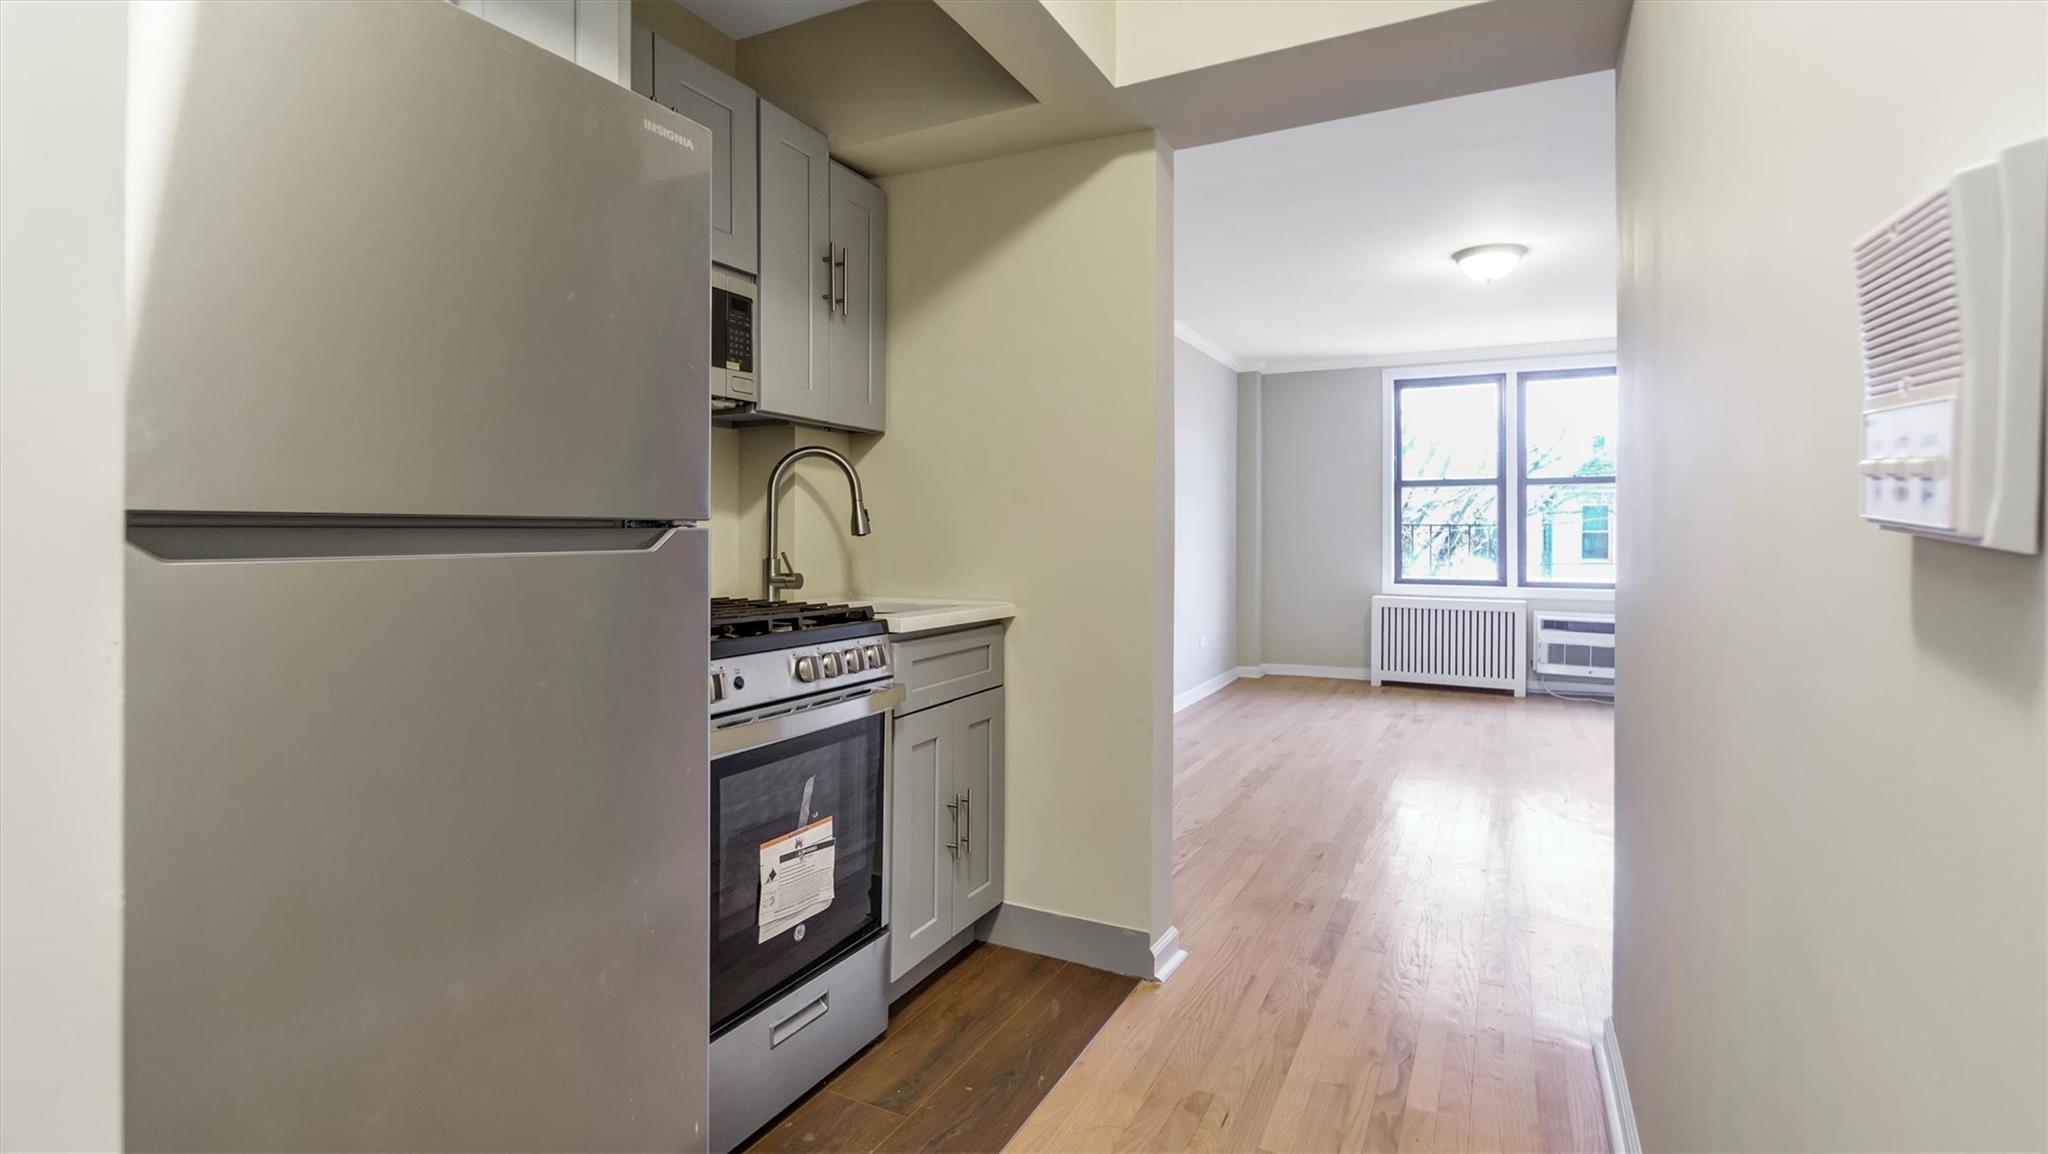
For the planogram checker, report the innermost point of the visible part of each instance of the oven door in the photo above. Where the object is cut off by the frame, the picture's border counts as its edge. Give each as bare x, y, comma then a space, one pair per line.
771, 778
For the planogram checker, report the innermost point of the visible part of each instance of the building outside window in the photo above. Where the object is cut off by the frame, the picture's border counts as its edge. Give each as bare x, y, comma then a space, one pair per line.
1503, 478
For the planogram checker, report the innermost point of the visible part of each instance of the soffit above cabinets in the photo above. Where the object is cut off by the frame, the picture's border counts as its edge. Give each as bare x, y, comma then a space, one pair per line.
904, 85
740, 19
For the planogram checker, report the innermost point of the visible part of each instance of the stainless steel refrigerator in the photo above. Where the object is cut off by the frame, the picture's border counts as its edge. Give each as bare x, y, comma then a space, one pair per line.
416, 578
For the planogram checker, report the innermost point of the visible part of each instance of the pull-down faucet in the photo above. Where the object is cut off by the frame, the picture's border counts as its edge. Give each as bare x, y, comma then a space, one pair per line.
776, 572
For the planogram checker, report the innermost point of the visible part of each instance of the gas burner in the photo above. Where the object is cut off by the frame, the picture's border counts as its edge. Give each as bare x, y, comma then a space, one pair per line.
748, 625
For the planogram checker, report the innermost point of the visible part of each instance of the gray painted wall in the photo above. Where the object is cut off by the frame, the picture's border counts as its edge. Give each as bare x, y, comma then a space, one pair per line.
1831, 906
1204, 517
1320, 546
1251, 516
1322, 517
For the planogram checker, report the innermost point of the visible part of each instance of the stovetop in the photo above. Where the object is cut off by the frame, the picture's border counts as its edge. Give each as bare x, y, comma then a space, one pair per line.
765, 653
742, 625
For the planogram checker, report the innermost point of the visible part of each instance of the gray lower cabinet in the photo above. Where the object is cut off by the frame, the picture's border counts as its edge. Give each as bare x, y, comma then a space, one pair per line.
920, 839
946, 825
977, 788
685, 84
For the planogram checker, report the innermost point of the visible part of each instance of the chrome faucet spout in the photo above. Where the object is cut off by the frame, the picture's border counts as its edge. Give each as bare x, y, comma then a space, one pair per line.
776, 572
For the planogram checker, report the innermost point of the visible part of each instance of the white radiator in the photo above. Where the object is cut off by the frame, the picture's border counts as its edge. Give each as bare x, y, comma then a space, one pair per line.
1450, 641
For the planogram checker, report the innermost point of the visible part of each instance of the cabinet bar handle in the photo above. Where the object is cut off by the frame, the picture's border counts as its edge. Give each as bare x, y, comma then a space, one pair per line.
966, 822
837, 281
953, 807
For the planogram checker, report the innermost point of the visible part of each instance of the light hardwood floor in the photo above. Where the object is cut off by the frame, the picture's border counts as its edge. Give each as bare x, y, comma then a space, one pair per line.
1396, 905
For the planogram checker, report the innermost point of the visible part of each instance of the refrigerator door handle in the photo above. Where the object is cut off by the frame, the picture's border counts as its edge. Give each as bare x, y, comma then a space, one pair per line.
181, 538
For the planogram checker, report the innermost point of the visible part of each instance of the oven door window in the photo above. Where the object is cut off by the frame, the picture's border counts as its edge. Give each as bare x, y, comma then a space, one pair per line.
757, 797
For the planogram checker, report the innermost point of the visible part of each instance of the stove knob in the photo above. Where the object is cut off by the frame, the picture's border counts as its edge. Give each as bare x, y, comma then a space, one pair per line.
877, 657
806, 668
828, 665
717, 687
850, 660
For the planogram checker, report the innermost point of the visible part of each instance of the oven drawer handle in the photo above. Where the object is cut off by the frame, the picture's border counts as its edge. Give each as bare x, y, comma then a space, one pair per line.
789, 1027
769, 730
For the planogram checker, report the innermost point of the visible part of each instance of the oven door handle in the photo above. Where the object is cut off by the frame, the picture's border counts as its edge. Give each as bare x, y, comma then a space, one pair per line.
769, 730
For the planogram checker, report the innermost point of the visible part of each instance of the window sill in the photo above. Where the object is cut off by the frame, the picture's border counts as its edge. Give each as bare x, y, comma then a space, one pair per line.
1501, 592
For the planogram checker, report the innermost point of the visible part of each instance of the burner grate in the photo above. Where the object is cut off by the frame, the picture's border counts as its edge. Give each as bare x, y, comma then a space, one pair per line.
736, 617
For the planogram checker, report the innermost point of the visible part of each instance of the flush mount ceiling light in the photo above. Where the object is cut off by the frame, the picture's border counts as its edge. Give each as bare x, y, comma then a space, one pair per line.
1485, 262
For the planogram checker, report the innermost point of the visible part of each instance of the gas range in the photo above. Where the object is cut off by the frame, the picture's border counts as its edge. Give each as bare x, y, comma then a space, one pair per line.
768, 652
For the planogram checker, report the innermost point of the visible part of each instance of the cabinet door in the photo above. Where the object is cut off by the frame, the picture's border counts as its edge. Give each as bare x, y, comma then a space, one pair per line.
643, 60
854, 348
977, 764
728, 108
796, 270
921, 833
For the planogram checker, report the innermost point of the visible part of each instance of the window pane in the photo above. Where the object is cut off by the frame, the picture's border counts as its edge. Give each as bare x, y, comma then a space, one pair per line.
1450, 431
1450, 533
1569, 535
1570, 424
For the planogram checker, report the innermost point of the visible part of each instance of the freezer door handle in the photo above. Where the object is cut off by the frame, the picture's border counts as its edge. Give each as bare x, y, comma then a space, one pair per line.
198, 537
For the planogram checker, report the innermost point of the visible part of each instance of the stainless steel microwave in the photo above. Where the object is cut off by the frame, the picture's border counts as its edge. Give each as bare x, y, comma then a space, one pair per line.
735, 331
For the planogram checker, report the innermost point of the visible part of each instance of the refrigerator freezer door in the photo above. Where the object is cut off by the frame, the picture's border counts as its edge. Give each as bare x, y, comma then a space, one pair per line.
391, 259
415, 849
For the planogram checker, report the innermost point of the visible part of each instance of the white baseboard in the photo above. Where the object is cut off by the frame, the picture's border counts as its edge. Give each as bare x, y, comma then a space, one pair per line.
1340, 672
1244, 671
1167, 954
1183, 700
1621, 1114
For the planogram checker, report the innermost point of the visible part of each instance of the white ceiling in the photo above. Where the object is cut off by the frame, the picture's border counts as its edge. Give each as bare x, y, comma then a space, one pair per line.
740, 19
1332, 242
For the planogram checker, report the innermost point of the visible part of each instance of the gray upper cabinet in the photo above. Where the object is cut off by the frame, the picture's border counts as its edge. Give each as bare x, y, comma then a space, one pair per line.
860, 221
643, 60
797, 274
729, 109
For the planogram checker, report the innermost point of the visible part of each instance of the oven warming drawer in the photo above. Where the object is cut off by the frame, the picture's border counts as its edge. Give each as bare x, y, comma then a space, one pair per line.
766, 1062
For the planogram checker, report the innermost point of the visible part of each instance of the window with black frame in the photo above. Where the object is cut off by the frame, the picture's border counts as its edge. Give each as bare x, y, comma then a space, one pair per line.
1450, 480
1568, 421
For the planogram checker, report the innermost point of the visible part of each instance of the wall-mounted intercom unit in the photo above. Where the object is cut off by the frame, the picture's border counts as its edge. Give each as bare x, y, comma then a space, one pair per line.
1951, 296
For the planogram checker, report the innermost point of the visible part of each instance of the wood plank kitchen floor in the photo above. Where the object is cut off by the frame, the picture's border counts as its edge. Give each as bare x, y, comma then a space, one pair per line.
967, 1056
1396, 905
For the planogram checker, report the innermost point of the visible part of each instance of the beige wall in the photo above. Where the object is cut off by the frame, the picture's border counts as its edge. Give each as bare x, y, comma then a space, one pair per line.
1831, 925
1205, 518
1026, 460
814, 511
61, 461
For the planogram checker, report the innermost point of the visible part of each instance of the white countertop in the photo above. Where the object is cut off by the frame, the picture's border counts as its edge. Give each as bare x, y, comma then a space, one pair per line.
922, 614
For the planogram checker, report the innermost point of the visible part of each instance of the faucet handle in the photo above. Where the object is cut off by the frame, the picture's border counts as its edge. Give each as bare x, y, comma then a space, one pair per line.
790, 578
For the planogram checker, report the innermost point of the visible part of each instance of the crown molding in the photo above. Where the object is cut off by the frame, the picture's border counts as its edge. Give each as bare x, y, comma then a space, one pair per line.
1278, 365
1208, 348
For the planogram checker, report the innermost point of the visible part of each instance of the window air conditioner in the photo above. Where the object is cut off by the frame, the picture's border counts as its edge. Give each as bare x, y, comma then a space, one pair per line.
1575, 644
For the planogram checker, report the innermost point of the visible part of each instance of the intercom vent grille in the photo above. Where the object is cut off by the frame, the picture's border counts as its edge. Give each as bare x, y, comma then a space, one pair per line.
1906, 291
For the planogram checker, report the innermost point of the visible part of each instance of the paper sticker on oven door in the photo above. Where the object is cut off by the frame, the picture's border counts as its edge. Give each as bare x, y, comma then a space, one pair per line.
796, 877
